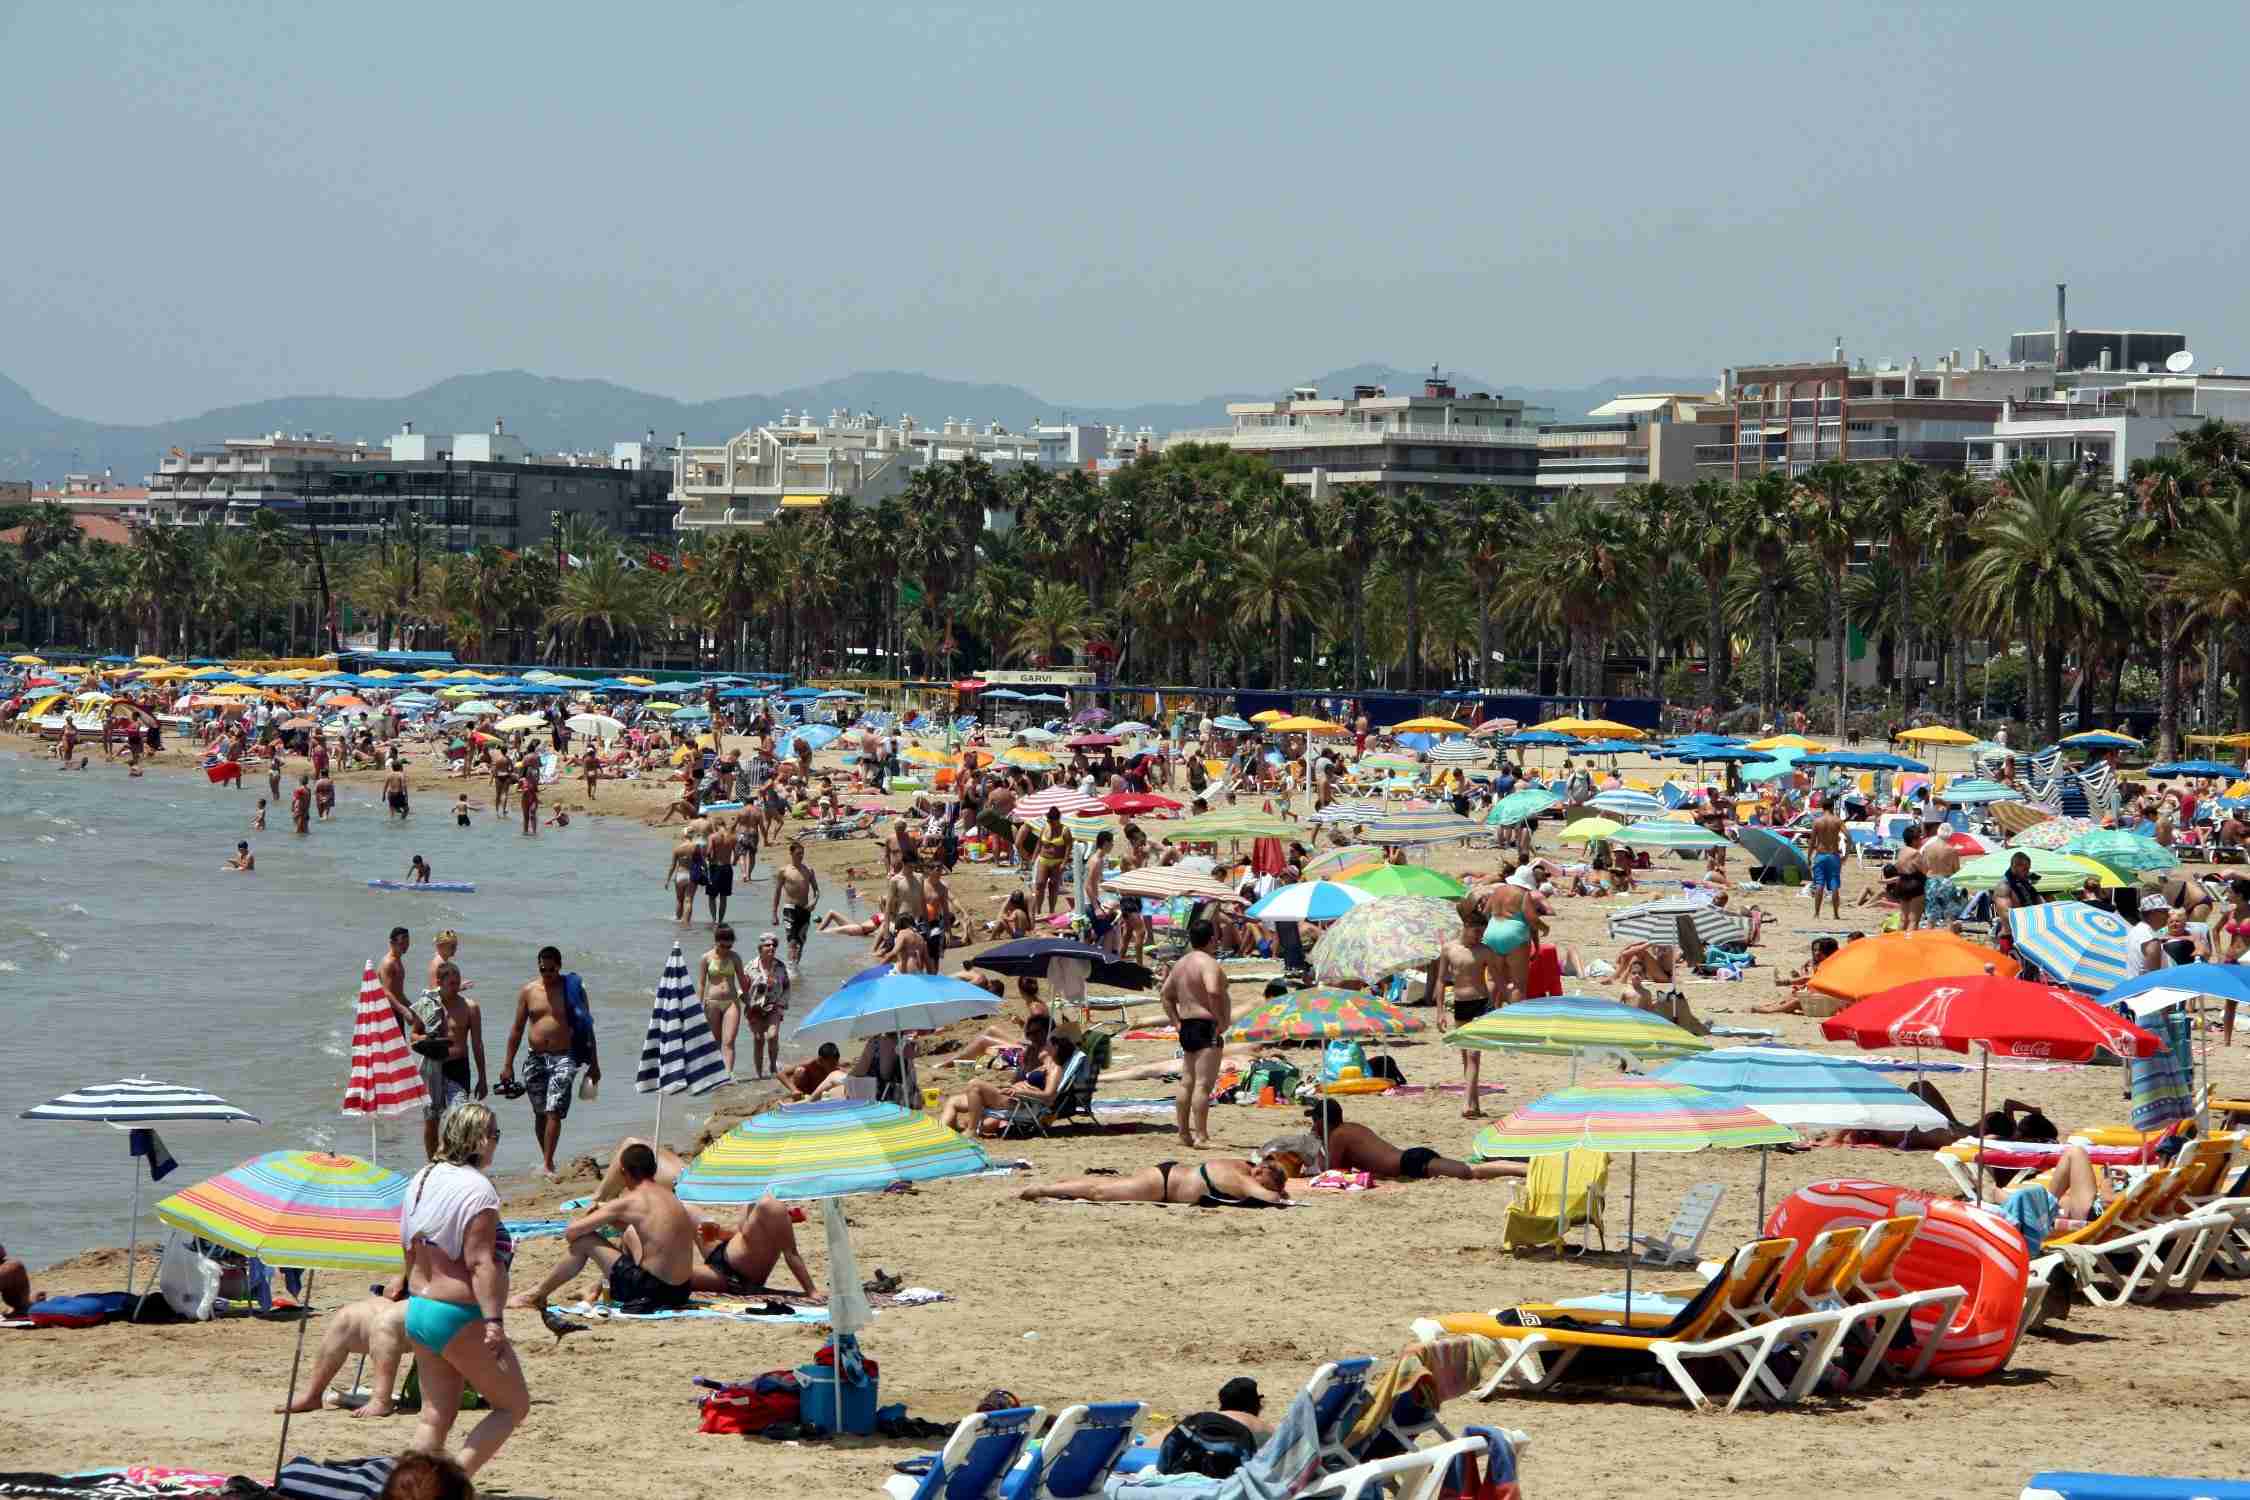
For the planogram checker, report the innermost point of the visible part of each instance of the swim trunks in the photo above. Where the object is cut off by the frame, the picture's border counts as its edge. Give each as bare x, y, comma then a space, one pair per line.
1198, 1035
1465, 1011
719, 879
634, 1290
1827, 872
1506, 934
550, 1078
798, 922
1414, 1162
447, 1080
716, 1259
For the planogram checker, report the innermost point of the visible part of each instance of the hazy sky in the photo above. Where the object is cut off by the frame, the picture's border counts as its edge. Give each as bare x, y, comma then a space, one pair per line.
216, 202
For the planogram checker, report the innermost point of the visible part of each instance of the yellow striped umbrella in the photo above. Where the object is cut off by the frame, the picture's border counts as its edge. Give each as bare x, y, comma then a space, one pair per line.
827, 1149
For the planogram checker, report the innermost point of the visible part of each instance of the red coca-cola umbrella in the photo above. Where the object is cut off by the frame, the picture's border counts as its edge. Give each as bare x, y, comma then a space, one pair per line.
1984, 1012
1138, 802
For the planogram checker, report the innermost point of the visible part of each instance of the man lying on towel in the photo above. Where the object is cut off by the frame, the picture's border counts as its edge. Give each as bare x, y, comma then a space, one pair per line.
1355, 1148
652, 1267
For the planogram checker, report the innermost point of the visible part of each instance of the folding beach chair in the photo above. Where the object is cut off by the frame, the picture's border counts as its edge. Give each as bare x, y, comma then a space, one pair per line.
1681, 1240
1074, 1100
1337, 1390
1538, 1218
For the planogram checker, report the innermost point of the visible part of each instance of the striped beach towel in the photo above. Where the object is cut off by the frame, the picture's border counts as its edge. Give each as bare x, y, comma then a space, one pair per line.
353, 1479
385, 1078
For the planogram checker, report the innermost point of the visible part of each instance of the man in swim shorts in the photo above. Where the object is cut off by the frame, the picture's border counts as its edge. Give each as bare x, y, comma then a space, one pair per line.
394, 790
1825, 843
1218, 1183
652, 1266
1471, 971
1355, 1148
740, 1264
795, 887
550, 1073
1196, 1001
446, 1075
718, 868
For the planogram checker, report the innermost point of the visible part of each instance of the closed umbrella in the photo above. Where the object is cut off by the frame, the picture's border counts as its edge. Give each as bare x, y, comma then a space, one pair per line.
385, 1078
1630, 1115
2077, 945
679, 1055
1309, 901
1371, 943
1405, 880
1521, 806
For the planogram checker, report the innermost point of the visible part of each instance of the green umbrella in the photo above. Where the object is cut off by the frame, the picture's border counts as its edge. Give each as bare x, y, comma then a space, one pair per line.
2129, 854
1517, 807
2050, 871
1410, 880
1659, 835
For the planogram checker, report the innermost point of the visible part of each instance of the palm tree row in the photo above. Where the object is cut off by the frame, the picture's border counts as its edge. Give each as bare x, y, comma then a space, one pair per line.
1203, 566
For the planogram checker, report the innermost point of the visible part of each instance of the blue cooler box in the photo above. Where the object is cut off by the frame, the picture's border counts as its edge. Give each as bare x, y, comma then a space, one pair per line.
816, 1399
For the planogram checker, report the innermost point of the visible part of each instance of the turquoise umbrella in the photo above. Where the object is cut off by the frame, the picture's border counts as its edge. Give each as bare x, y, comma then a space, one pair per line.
1520, 806
1668, 836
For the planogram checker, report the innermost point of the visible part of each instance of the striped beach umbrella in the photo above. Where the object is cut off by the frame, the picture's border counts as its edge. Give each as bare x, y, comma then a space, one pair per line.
1309, 901
1574, 1026
1659, 922
1388, 762
1807, 1090
679, 1055
1371, 943
1349, 810
1330, 866
1232, 823
1625, 804
139, 1101
1456, 752
304, 1210
385, 1079
1520, 806
827, 1149
1311, 1015
1417, 828
1165, 882
1669, 835
2126, 853
1974, 791
2077, 945
1063, 799
1406, 880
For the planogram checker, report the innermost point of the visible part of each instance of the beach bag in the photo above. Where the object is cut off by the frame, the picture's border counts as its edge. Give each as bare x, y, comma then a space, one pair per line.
740, 1407
1270, 1072
189, 1280
430, 1011
1340, 1054
1208, 1443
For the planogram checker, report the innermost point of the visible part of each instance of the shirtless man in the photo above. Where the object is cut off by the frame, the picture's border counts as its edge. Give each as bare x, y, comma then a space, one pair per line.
242, 859
718, 867
394, 791
373, 1326
740, 1264
1218, 1183
1195, 1000
747, 826
904, 902
796, 888
550, 1074
390, 973
448, 1079
1513, 927
1911, 883
681, 875
1826, 843
808, 1075
998, 820
1472, 971
1355, 1148
652, 1269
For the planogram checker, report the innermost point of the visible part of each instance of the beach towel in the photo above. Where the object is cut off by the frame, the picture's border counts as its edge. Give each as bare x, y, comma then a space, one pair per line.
353, 1479
1435, 1372
2162, 1085
581, 1019
119, 1485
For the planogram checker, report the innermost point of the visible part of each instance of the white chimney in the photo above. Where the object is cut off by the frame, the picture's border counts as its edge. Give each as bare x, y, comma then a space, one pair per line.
2103, 364
1983, 361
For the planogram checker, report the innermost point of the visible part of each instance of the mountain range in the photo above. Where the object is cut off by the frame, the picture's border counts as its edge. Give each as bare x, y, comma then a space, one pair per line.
557, 415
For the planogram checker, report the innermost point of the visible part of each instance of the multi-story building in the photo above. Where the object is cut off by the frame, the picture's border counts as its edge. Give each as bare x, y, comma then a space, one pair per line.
466, 490
2098, 429
1439, 440
799, 463
1648, 438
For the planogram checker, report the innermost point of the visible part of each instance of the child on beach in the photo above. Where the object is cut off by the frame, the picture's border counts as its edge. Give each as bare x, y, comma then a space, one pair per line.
460, 810
258, 821
418, 872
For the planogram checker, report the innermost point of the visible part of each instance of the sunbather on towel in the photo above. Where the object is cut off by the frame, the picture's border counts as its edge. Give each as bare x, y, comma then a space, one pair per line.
1217, 1183
1355, 1148
739, 1264
649, 1270
373, 1326
15, 1283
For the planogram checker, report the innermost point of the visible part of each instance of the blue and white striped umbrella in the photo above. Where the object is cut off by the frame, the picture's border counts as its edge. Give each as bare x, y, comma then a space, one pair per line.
1623, 802
679, 1055
1456, 752
1974, 792
1234, 724
2082, 946
1350, 810
1420, 828
1808, 1090
1310, 901
1668, 835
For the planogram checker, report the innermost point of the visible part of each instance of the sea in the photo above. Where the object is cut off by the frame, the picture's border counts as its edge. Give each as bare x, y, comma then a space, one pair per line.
126, 950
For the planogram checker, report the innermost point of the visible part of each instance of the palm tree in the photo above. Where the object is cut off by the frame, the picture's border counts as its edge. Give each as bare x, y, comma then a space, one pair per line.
1278, 580
1765, 525
1412, 538
1945, 525
603, 599
1056, 618
1493, 527
2165, 496
2212, 574
1829, 497
1706, 524
1896, 495
2049, 560
50, 529
1355, 524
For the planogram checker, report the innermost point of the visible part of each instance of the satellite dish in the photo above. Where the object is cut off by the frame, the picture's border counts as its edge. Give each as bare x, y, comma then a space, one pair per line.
2181, 362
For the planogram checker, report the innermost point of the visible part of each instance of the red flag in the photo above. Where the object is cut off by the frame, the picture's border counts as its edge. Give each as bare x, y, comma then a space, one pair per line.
384, 1078
660, 562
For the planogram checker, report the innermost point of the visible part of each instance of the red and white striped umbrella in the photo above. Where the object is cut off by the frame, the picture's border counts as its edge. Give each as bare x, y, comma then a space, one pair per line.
1164, 882
1063, 799
385, 1079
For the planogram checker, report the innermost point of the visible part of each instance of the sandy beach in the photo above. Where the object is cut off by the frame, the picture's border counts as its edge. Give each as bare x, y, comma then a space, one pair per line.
1069, 1302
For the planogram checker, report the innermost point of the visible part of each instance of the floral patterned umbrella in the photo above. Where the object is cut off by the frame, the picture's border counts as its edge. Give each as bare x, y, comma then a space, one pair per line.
2052, 834
1311, 1015
1371, 943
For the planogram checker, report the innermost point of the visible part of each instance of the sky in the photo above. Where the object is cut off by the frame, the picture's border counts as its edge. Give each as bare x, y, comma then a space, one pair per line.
220, 202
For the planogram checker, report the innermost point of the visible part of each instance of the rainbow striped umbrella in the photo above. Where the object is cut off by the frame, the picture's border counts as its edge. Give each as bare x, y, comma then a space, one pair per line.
826, 1149
1570, 1025
304, 1210
1309, 1015
1407, 880
1327, 866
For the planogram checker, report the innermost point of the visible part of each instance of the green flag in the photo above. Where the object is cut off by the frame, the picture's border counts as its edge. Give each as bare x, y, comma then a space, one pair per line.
1855, 644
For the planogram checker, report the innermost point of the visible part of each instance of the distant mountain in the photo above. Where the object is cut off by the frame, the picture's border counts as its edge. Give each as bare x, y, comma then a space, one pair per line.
556, 415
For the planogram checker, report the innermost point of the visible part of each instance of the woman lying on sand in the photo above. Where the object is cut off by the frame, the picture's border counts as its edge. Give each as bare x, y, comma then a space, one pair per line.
1218, 1183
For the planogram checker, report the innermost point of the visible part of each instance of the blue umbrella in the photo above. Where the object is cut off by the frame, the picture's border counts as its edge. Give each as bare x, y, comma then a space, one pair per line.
1008, 694
2100, 739
1771, 850
1974, 792
2219, 981
1782, 763
1527, 802
886, 1002
836, 694
1861, 760
1613, 747
1539, 737
819, 736
2081, 946
1809, 1090
2192, 768
1234, 725
692, 711
800, 694
1416, 740
1309, 901
1720, 754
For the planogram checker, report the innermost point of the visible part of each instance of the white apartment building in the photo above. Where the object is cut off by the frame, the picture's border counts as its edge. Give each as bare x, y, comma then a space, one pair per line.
1645, 438
2099, 428
1438, 440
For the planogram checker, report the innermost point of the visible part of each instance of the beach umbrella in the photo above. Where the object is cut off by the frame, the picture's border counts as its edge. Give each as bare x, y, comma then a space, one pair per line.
923, 755
1404, 880
1862, 760
1589, 729
2077, 945
1990, 1014
520, 721
301, 1211
818, 736
884, 1003
1092, 741
1456, 753
139, 1105
1131, 727
2100, 739
2050, 872
1309, 901
1232, 823
1233, 724
1315, 1014
1669, 835
679, 1055
1037, 956
1874, 964
1770, 849
1583, 829
1370, 943
1063, 799
2051, 833
1428, 724
1386, 762
1937, 734
28, 660
1267, 716
599, 726
384, 1077
1034, 735
1971, 844
1029, 759
1625, 804
1303, 724
1575, 1026
2017, 817
1521, 806
1164, 882
1629, 1115
1740, 755
2126, 853
1417, 828
1338, 862
476, 707
1659, 922
1531, 738
1128, 803
826, 1149
1496, 726
1615, 747
2191, 768
1971, 791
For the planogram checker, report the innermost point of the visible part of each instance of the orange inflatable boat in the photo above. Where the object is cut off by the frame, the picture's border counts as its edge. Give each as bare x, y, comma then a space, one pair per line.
1959, 1245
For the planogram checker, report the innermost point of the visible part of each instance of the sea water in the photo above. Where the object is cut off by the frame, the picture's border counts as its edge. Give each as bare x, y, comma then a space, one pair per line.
125, 949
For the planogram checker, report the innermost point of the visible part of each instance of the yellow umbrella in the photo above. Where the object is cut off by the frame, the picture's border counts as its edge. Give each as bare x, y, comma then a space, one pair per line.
667, 705
1030, 759
380, 672
152, 661
1267, 716
1429, 724
1938, 734
519, 721
1591, 828
28, 660
922, 755
1786, 742
167, 674
459, 690
68, 671
1605, 729
429, 675
234, 690
1299, 724
2237, 740
638, 681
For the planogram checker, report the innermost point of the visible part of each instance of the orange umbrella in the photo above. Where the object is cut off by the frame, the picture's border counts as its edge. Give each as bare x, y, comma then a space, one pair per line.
1890, 959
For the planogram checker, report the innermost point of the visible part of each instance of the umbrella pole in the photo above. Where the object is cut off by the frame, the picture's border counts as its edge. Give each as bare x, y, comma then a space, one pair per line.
304, 1316
656, 1136
1562, 1210
133, 1230
1632, 1205
1765, 1158
1984, 1099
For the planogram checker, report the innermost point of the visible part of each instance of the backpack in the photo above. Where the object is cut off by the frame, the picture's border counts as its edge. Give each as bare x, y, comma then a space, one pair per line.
1270, 1072
1207, 1443
1340, 1054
